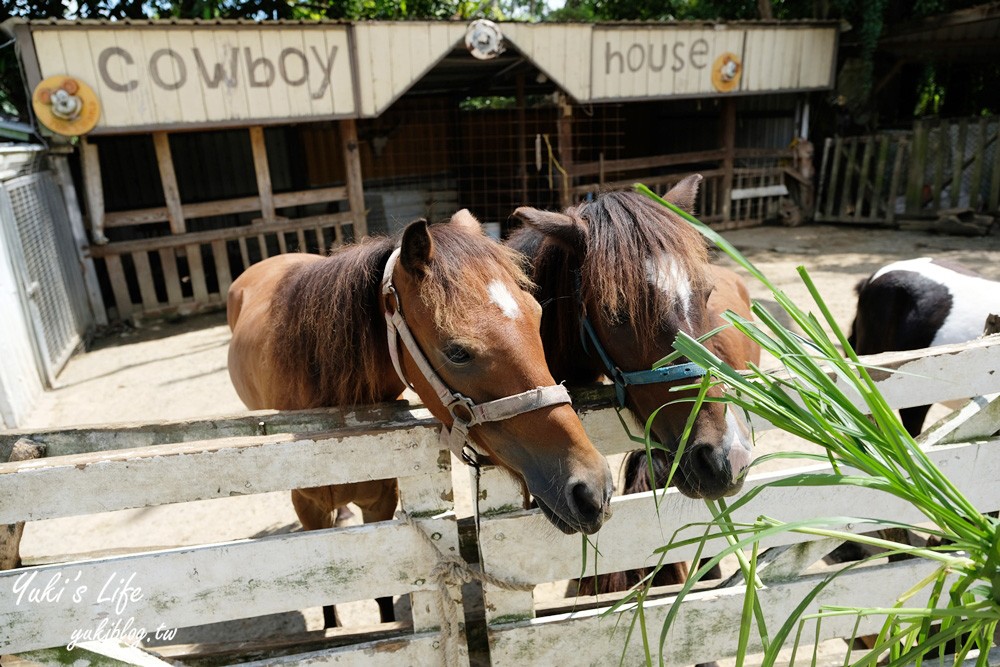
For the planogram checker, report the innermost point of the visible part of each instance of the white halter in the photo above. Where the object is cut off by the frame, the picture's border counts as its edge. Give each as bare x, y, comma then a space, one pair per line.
463, 410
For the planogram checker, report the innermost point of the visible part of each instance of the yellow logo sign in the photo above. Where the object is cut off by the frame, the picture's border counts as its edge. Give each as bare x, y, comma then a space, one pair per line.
726, 72
65, 105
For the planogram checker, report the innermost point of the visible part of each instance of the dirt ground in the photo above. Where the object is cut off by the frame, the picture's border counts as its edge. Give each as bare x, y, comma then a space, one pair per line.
165, 371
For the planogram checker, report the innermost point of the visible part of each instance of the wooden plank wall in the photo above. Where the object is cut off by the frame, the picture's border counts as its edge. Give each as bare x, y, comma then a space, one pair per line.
940, 165
187, 271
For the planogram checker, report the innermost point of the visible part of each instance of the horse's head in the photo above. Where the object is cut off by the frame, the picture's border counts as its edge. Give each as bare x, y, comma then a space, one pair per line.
465, 300
642, 279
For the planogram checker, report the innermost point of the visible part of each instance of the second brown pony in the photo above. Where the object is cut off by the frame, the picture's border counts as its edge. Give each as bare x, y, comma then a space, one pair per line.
640, 275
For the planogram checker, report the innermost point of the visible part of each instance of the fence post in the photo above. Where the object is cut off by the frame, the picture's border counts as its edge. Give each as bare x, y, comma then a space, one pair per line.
976, 182
355, 188
883, 162
428, 501
834, 173
866, 160
10, 534
849, 169
958, 161
918, 159
897, 171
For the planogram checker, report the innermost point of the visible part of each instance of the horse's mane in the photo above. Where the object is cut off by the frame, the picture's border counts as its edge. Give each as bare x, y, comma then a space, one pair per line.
329, 324
627, 230
330, 320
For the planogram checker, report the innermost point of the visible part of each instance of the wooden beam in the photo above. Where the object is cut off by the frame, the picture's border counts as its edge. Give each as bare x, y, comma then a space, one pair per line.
634, 164
148, 216
263, 171
168, 177
565, 148
355, 186
95, 300
94, 189
522, 134
114, 249
727, 141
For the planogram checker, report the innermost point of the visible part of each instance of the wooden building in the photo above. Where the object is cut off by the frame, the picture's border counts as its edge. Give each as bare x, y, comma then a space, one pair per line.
220, 143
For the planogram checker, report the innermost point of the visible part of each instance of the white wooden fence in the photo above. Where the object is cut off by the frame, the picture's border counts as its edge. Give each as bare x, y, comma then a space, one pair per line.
146, 465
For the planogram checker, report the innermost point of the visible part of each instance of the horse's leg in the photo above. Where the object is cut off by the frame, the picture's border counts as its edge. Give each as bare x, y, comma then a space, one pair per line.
314, 508
913, 418
377, 501
312, 515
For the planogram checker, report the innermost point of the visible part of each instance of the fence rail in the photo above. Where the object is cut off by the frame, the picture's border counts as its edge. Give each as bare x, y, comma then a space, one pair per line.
150, 464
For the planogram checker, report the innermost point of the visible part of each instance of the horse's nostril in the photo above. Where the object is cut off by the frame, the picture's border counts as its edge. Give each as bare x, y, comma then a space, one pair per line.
708, 461
589, 504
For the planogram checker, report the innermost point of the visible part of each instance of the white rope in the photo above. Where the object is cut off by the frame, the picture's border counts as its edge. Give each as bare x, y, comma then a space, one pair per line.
453, 570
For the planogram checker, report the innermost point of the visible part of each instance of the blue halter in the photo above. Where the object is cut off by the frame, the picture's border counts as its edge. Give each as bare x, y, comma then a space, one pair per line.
623, 379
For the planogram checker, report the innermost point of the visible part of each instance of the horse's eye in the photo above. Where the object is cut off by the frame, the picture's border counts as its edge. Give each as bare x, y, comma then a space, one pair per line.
457, 354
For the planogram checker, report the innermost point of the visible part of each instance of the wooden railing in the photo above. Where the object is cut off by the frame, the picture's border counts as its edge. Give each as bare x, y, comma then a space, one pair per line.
194, 270
133, 466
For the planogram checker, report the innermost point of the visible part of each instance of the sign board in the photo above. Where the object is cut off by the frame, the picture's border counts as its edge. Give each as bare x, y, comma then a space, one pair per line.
671, 60
155, 75
162, 77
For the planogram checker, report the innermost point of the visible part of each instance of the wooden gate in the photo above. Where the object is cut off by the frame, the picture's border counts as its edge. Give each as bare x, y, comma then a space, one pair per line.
89, 471
940, 165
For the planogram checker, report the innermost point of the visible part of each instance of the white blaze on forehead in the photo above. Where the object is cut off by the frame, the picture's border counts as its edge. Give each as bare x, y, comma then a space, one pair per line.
501, 296
669, 277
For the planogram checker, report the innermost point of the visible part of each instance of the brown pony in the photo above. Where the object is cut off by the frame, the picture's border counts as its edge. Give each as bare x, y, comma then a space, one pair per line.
641, 274
310, 331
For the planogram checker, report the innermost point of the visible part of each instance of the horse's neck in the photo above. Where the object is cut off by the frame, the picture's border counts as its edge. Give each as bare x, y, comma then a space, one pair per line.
351, 366
569, 361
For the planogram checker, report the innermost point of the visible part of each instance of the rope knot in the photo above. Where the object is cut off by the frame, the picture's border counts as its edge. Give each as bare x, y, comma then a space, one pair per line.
454, 570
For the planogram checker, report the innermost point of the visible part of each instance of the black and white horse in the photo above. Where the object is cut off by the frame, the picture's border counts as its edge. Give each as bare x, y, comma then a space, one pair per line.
919, 303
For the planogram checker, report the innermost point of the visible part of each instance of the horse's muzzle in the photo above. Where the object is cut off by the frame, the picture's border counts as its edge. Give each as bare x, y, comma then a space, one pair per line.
582, 506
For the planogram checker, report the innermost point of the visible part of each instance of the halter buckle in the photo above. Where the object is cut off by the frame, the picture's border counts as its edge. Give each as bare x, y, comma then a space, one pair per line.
463, 403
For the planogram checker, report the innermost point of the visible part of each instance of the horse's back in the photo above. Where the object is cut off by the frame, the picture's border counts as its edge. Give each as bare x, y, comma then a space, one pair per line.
258, 283
249, 311
919, 303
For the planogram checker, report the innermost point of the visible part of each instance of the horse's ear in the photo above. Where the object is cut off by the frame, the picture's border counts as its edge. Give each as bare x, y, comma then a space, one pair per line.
416, 248
467, 221
559, 226
683, 194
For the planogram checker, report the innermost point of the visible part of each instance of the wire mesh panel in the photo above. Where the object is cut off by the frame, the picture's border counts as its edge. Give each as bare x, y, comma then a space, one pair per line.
429, 156
51, 276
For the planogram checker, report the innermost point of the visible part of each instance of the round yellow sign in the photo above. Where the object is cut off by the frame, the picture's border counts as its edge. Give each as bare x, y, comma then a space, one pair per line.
66, 105
726, 72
